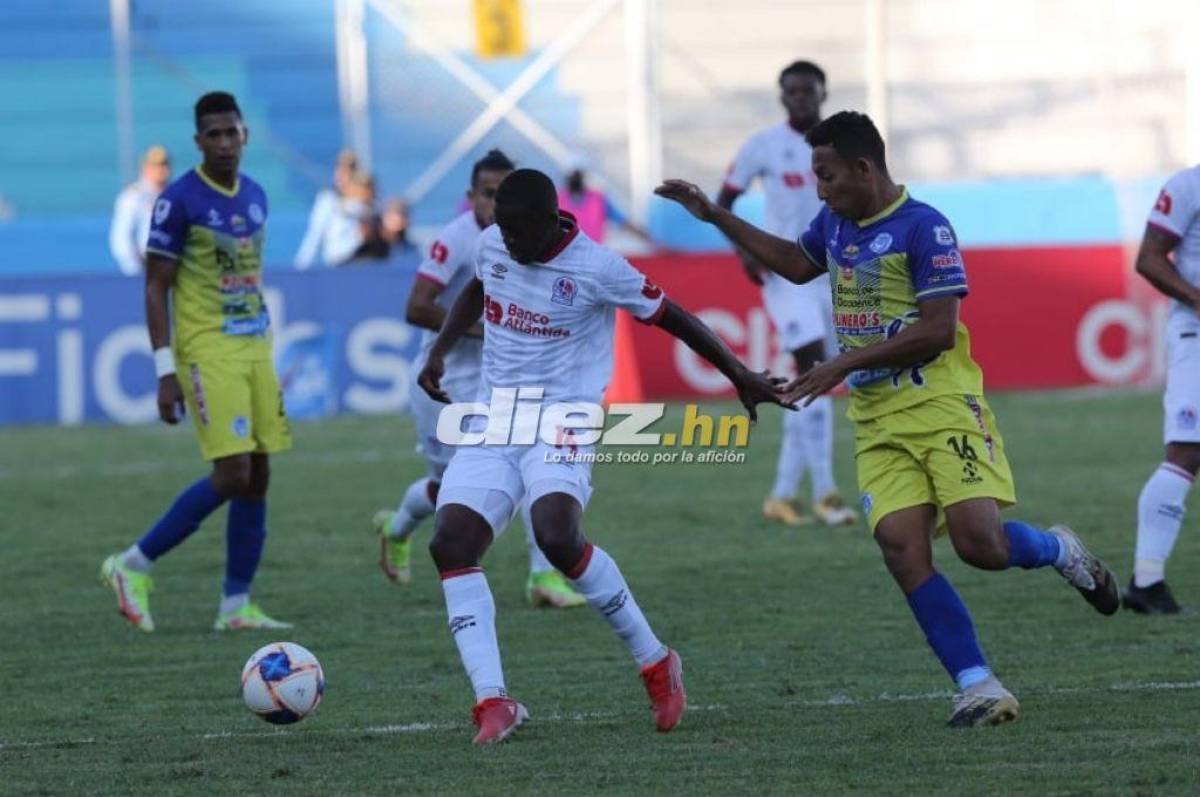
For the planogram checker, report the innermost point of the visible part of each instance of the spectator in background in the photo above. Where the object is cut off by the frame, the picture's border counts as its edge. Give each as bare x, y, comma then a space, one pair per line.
131, 214
591, 208
393, 227
334, 232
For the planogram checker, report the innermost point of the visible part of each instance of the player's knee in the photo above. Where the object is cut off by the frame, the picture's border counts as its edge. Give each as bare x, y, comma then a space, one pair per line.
232, 476
447, 553
556, 529
984, 549
907, 560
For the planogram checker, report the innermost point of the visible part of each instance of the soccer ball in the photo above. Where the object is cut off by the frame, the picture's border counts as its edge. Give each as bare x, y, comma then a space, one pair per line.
282, 683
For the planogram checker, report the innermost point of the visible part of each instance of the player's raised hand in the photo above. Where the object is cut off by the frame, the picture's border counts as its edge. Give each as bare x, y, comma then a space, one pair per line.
430, 378
760, 387
813, 384
170, 399
690, 196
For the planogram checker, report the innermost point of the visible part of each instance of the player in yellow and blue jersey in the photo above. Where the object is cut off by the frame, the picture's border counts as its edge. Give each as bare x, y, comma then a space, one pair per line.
929, 456
205, 255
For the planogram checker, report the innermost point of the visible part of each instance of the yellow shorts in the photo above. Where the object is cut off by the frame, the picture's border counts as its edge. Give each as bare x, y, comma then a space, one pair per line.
939, 452
236, 406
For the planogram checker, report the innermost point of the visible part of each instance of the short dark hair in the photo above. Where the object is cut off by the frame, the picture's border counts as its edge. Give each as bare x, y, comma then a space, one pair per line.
493, 161
852, 135
216, 102
803, 68
528, 189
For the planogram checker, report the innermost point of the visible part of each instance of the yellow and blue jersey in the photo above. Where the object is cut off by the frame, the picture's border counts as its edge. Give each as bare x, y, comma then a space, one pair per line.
217, 236
880, 269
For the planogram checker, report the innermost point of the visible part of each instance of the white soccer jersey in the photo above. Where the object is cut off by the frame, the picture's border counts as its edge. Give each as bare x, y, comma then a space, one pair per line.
1176, 213
550, 325
782, 159
450, 264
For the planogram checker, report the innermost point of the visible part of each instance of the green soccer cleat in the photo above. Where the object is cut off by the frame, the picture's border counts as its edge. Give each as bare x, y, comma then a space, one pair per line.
133, 591
551, 589
248, 618
395, 555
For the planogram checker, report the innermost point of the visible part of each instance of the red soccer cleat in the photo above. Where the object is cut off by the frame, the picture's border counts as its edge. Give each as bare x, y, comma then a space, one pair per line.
497, 718
664, 684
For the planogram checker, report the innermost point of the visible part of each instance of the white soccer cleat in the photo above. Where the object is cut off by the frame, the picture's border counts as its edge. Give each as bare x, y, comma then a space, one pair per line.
1087, 574
985, 703
832, 510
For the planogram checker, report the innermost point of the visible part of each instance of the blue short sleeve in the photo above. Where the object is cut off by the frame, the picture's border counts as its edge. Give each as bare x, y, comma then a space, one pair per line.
812, 241
934, 261
168, 226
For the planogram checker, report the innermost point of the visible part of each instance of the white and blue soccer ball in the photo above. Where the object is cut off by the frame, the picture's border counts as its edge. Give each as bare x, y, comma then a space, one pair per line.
282, 683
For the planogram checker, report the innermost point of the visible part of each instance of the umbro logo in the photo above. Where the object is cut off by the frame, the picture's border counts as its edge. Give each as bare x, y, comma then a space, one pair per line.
616, 604
459, 622
499, 270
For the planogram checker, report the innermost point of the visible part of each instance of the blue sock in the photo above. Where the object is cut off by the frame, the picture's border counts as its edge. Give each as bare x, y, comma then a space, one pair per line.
245, 536
185, 516
949, 630
1030, 547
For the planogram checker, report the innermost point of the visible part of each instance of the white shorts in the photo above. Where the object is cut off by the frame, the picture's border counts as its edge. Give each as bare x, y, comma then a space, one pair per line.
493, 480
801, 314
425, 412
1181, 400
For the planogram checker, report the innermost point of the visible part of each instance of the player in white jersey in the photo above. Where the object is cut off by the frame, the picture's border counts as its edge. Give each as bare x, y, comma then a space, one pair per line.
548, 296
802, 314
1173, 230
440, 277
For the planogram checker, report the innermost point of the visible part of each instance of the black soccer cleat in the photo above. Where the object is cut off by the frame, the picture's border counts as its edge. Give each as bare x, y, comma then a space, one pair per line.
1154, 599
1094, 580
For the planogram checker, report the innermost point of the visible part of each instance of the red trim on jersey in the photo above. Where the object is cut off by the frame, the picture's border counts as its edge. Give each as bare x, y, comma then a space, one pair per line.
585, 560
1178, 471
431, 278
564, 242
657, 315
727, 186
465, 571
1164, 229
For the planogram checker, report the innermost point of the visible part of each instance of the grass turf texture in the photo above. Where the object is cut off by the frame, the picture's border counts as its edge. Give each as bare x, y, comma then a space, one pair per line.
804, 667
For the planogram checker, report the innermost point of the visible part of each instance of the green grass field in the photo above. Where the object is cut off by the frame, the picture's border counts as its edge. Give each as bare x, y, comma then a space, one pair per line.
805, 670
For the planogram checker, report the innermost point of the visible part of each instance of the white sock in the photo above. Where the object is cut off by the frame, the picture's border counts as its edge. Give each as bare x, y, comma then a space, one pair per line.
135, 560
1160, 514
538, 563
602, 584
472, 613
231, 603
415, 507
816, 423
790, 466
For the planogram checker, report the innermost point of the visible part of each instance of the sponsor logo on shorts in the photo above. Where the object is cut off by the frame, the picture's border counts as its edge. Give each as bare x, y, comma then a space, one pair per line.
868, 501
564, 291
198, 391
977, 411
241, 426
881, 243
1186, 419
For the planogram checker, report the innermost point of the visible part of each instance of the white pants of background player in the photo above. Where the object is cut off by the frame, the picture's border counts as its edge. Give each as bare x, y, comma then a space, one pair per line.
416, 505
802, 315
1161, 504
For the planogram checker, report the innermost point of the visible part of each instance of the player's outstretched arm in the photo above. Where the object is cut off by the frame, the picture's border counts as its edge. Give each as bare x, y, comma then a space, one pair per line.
160, 276
921, 341
463, 315
1154, 263
754, 270
783, 257
753, 388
